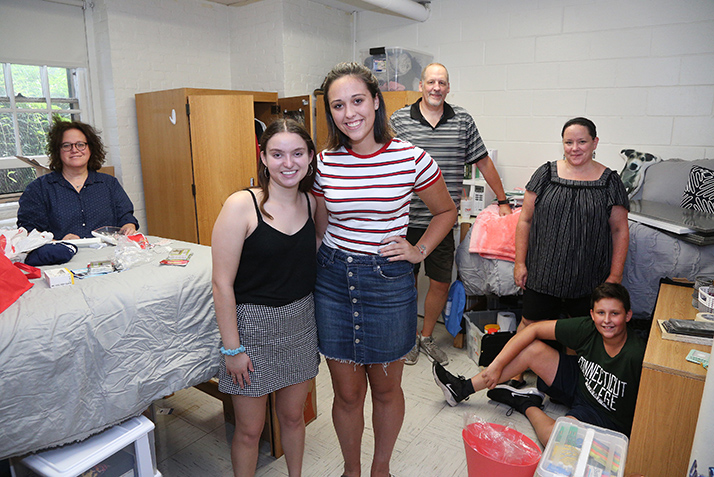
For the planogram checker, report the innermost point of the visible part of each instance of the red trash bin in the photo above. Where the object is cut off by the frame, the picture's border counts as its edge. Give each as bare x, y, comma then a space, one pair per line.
493, 450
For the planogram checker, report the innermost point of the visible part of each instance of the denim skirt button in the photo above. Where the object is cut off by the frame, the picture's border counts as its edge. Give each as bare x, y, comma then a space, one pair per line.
365, 307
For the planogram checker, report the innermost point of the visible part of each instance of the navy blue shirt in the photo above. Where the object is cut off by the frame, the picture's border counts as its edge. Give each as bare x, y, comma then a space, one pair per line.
51, 204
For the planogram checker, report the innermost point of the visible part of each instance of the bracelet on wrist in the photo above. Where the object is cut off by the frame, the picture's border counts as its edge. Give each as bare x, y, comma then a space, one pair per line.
233, 352
504, 202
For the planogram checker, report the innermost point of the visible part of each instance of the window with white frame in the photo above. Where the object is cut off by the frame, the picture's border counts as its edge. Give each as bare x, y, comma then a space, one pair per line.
30, 95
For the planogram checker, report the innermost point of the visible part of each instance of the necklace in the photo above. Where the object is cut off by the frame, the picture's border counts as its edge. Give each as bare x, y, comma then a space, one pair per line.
77, 186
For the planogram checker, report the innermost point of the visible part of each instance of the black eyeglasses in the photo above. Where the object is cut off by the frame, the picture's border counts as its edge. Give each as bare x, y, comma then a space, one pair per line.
67, 146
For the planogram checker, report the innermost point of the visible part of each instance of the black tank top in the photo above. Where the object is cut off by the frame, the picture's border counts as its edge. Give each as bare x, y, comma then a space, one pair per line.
276, 269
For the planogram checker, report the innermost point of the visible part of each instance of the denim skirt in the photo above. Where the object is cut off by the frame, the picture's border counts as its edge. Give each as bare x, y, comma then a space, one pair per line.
365, 307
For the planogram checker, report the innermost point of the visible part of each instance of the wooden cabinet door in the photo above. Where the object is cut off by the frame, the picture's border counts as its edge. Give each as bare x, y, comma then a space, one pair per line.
394, 100
298, 108
166, 164
224, 153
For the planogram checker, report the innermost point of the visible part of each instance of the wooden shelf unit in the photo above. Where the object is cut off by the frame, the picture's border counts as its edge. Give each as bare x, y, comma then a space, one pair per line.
669, 397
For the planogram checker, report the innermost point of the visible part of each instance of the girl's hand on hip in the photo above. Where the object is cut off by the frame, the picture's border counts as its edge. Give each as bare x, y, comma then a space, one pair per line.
397, 248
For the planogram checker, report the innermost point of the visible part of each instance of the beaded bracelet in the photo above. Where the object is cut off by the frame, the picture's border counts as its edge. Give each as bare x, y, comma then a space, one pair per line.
233, 352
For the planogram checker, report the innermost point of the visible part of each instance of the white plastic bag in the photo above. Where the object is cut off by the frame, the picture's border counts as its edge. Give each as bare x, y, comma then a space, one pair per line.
16, 243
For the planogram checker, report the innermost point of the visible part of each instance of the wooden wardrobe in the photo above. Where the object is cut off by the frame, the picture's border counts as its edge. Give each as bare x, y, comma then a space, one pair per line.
198, 146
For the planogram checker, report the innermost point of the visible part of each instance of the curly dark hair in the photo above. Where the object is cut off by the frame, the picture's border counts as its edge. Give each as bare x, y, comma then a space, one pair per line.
290, 126
55, 136
382, 130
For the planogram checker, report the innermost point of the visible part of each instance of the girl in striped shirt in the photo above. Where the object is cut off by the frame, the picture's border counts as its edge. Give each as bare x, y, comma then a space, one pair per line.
365, 295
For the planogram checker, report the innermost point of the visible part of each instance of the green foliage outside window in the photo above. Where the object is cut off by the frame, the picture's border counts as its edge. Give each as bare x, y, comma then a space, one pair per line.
38, 92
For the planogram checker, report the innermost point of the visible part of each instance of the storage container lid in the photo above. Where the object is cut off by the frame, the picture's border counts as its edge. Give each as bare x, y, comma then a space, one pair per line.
576, 449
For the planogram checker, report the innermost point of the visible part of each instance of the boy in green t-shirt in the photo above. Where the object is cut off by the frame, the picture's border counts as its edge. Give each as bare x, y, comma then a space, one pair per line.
599, 384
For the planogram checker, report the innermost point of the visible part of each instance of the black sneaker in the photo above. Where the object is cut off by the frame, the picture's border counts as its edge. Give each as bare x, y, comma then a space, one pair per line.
518, 399
452, 386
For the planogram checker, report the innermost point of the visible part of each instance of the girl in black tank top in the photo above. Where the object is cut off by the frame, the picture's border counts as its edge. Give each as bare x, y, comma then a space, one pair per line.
263, 249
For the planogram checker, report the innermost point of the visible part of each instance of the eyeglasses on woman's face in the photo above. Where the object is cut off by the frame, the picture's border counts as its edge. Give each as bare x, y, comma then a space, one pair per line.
67, 146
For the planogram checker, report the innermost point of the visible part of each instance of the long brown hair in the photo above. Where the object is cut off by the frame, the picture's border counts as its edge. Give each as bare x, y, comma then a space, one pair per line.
55, 135
289, 126
382, 131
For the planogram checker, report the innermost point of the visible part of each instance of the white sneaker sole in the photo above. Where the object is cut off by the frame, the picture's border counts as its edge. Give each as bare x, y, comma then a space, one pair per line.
523, 391
448, 396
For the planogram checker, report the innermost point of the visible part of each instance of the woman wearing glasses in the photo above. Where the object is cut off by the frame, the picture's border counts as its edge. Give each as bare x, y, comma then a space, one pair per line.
74, 198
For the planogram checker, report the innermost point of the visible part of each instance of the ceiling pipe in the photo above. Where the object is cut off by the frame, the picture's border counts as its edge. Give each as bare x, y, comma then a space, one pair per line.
407, 8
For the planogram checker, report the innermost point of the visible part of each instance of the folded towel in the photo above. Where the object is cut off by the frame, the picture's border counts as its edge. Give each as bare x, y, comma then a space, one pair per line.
494, 236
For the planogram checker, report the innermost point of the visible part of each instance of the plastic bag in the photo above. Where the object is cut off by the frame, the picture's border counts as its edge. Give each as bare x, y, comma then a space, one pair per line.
501, 443
15, 243
13, 283
135, 250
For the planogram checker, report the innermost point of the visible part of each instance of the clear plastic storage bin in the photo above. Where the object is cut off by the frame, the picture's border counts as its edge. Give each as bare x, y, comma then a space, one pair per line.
396, 69
125, 450
577, 449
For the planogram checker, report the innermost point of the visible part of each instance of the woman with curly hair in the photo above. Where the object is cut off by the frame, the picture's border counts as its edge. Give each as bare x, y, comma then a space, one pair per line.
75, 198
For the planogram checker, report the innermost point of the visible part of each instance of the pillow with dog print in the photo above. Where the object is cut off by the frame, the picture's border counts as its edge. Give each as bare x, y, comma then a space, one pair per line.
633, 172
699, 191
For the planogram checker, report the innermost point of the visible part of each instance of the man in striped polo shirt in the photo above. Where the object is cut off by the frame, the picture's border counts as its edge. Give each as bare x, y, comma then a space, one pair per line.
449, 134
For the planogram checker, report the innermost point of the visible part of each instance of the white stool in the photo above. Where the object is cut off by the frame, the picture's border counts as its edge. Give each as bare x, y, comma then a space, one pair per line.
72, 460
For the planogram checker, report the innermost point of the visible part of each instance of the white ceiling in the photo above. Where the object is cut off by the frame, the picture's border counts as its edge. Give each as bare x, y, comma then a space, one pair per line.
346, 5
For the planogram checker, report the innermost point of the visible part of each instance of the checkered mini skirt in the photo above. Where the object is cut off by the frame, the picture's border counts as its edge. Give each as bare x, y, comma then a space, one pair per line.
282, 344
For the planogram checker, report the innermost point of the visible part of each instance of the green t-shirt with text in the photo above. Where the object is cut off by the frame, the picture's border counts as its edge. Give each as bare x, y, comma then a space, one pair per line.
608, 383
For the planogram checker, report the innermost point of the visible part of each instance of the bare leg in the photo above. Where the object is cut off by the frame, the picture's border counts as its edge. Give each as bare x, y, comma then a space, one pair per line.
349, 382
289, 405
541, 422
538, 356
250, 418
387, 412
434, 303
524, 322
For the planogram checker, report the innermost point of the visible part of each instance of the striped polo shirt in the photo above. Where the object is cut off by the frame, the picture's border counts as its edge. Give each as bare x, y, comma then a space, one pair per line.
453, 143
368, 197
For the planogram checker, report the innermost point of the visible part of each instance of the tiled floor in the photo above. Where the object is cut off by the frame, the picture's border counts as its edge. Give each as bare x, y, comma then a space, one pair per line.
194, 440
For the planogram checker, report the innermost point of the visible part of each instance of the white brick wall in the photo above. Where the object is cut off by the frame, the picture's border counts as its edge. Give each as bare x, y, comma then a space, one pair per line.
316, 38
149, 46
287, 45
643, 70
272, 45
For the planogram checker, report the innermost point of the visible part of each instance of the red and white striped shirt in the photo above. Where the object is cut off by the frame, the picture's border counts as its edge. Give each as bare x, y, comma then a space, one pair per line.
367, 197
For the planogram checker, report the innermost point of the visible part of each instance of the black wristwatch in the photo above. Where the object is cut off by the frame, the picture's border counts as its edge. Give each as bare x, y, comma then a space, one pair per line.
504, 202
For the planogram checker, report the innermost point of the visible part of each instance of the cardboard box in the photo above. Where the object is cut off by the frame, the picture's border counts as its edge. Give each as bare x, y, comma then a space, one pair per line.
58, 277
579, 449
